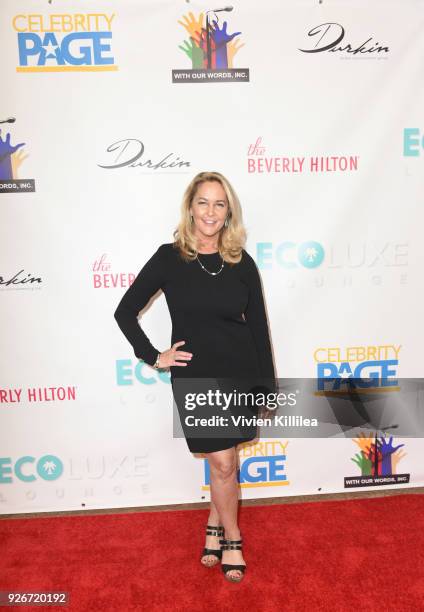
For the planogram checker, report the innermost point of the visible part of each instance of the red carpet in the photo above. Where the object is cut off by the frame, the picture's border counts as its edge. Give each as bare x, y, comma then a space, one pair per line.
357, 555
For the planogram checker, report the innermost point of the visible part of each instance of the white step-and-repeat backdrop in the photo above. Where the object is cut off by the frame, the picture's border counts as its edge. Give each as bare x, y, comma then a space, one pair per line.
314, 111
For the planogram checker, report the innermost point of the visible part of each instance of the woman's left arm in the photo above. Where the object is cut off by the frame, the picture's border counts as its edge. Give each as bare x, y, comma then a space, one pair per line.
256, 319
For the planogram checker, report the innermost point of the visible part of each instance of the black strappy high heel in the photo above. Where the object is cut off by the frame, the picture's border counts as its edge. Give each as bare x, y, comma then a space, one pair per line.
215, 552
226, 567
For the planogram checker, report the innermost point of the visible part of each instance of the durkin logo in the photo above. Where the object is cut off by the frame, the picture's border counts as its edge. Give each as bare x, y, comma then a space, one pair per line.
331, 37
377, 461
19, 281
211, 50
64, 42
11, 158
129, 153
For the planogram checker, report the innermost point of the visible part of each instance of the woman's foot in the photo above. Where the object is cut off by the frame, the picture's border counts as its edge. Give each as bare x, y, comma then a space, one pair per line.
212, 552
232, 555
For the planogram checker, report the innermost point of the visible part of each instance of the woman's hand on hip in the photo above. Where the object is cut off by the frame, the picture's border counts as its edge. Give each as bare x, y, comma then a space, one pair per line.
174, 357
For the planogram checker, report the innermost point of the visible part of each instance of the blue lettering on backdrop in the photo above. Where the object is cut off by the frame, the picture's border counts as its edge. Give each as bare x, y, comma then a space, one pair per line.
69, 50
257, 469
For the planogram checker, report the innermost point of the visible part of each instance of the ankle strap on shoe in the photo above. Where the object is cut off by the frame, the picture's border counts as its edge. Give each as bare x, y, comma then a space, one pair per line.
231, 544
215, 530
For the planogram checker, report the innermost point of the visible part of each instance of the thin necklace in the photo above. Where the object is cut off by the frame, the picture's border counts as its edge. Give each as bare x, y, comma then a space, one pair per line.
208, 271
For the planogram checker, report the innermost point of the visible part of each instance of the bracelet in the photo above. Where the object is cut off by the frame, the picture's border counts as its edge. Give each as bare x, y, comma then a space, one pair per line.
156, 364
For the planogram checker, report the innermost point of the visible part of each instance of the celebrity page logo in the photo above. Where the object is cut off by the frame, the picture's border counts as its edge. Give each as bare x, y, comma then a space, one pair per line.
261, 465
64, 42
377, 461
211, 49
259, 162
11, 158
331, 37
369, 369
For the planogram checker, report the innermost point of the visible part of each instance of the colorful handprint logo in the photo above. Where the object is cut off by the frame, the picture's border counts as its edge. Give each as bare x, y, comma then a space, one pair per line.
377, 456
11, 158
210, 47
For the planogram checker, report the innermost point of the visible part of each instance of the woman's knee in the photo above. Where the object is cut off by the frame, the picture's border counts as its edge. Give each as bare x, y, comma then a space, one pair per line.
223, 467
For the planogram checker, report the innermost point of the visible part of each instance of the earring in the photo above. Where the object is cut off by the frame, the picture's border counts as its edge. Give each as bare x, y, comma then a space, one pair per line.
226, 222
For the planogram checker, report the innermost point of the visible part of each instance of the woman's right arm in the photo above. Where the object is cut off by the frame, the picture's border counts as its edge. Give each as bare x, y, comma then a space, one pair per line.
148, 281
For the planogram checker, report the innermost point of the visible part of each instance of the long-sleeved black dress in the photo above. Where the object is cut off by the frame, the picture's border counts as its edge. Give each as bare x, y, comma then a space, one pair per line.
223, 322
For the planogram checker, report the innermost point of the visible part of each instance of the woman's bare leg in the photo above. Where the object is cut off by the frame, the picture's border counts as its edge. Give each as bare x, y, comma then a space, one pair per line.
213, 514
224, 492
212, 541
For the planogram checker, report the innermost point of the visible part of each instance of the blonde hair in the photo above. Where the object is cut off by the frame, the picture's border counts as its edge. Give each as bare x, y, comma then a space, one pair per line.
232, 237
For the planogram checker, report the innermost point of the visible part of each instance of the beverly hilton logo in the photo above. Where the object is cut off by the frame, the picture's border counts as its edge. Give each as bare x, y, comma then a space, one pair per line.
211, 49
10, 396
104, 278
261, 162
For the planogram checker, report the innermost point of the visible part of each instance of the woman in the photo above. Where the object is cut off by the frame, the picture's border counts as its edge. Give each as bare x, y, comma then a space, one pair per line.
219, 333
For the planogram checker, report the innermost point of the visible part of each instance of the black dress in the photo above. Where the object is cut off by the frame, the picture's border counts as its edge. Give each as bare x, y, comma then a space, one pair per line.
223, 322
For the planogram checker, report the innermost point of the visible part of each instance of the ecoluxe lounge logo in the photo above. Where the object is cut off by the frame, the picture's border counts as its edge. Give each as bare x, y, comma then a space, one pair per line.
331, 37
210, 48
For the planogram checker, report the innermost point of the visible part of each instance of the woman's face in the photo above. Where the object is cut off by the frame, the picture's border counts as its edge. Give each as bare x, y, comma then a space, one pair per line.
209, 209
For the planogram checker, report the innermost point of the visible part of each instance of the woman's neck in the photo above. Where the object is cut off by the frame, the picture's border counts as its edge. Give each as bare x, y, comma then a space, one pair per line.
206, 247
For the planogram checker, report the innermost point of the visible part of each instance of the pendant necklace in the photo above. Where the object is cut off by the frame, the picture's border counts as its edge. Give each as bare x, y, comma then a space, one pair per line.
208, 271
